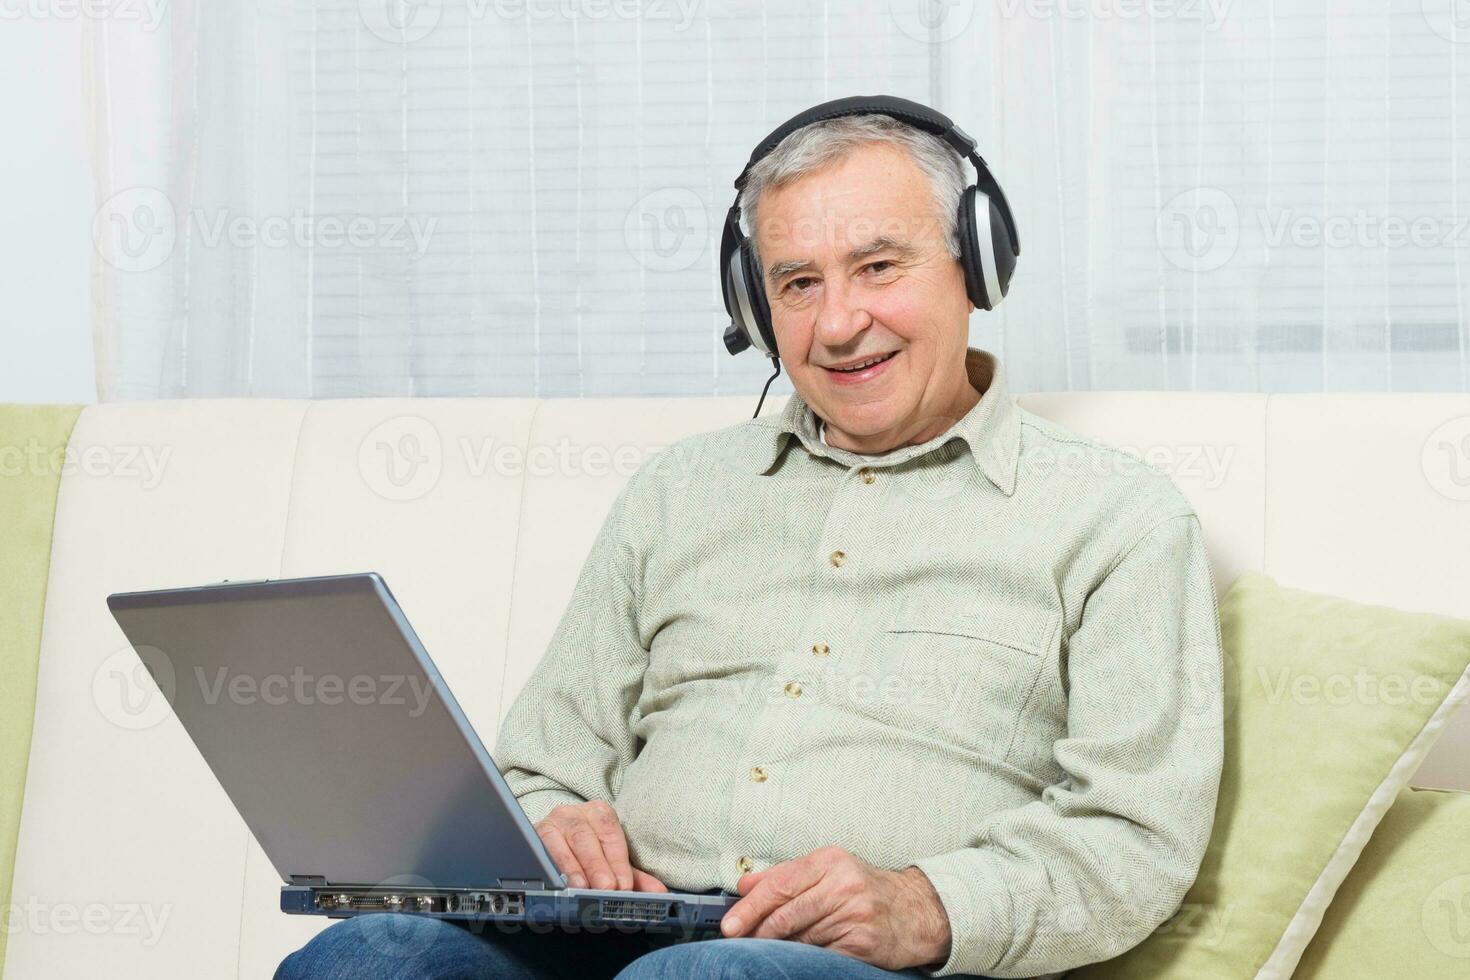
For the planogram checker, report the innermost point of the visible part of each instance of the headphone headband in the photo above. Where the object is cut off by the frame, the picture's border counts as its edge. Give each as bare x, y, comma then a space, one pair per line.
920, 116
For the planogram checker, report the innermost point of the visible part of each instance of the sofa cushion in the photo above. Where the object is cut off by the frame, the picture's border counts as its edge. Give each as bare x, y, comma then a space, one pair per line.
1330, 707
32, 455
1405, 909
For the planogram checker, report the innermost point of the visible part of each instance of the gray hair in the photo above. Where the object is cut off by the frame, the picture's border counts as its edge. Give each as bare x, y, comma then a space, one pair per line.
817, 144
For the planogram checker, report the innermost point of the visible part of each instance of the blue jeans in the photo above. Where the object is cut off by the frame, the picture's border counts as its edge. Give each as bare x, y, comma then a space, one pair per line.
386, 945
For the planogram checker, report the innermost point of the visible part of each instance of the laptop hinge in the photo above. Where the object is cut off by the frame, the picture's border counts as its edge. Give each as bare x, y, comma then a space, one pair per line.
308, 880
524, 884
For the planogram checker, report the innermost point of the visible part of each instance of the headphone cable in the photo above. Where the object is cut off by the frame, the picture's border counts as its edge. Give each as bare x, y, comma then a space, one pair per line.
767, 387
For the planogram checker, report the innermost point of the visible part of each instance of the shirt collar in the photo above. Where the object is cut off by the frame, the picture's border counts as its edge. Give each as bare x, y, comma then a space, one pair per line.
991, 429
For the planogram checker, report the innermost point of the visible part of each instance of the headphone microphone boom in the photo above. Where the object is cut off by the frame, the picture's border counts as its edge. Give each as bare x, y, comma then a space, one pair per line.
989, 244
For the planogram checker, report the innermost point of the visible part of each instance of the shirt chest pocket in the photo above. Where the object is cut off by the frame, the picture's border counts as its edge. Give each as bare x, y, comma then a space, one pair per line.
962, 673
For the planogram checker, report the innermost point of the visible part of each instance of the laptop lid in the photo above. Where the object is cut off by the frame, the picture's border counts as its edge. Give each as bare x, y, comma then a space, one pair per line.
327, 724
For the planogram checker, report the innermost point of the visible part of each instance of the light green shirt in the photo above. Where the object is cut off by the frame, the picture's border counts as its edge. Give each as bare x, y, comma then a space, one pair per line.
995, 655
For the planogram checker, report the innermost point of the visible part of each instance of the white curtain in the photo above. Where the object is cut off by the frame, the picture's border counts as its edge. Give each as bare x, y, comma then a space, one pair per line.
524, 197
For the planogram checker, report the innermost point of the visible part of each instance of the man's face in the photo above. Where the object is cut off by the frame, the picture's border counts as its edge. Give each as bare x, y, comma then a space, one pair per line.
855, 266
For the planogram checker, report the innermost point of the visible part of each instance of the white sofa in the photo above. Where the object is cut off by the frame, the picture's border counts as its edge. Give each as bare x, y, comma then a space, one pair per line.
478, 512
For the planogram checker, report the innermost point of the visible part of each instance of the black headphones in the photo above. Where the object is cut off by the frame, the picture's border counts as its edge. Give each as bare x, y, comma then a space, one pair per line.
989, 245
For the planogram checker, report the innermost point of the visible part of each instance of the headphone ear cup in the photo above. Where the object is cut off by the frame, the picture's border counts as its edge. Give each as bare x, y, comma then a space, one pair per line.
969, 251
1002, 248
764, 337
987, 254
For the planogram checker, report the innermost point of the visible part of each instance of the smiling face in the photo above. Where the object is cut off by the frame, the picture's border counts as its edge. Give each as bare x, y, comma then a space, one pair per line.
856, 267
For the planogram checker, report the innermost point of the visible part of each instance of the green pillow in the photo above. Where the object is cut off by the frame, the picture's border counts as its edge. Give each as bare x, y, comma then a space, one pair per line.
1330, 707
1405, 909
33, 441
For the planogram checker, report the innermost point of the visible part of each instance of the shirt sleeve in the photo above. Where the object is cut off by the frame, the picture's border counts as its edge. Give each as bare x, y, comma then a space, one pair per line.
568, 735
1108, 852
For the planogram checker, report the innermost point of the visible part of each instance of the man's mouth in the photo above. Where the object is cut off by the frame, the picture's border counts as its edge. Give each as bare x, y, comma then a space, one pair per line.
875, 359
867, 368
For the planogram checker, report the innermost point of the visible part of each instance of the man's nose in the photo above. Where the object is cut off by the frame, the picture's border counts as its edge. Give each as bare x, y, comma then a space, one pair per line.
840, 319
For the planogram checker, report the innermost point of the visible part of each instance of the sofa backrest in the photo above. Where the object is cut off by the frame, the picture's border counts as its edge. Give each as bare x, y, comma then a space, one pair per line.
479, 512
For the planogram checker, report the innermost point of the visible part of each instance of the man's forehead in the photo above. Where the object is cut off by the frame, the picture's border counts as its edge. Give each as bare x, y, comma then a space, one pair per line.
799, 242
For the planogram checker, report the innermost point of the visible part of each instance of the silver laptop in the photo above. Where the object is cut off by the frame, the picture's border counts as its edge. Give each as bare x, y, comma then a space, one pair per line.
330, 729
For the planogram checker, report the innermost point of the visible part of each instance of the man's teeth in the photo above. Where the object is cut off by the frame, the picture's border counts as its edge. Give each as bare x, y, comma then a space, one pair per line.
868, 363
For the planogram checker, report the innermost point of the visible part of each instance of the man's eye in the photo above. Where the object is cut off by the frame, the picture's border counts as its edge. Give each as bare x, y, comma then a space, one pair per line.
799, 279
874, 265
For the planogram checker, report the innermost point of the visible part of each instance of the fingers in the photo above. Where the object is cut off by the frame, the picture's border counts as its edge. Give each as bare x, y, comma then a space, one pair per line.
587, 848
777, 885
797, 918
588, 845
561, 853
645, 882
604, 821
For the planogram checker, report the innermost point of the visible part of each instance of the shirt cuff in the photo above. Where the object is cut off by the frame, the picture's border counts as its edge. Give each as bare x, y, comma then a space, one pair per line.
979, 909
539, 802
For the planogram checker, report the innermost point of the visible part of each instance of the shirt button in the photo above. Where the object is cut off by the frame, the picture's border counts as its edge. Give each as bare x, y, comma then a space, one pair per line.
746, 865
793, 689
837, 558
820, 649
758, 774
868, 475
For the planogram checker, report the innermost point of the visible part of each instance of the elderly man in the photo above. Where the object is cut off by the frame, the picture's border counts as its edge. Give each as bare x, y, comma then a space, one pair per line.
931, 682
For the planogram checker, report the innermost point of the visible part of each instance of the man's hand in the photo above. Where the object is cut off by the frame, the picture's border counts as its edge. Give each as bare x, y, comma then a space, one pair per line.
891, 919
586, 841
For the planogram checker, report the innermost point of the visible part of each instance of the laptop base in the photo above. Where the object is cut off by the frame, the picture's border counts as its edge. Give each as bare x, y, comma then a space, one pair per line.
586, 909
